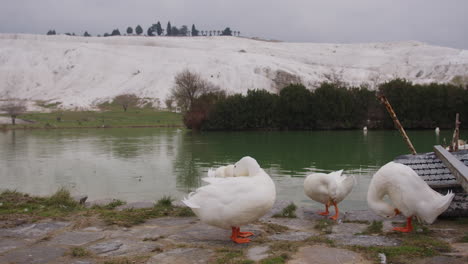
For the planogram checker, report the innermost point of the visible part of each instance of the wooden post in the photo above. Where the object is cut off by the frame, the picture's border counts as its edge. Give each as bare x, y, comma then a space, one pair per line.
456, 134
455, 166
397, 123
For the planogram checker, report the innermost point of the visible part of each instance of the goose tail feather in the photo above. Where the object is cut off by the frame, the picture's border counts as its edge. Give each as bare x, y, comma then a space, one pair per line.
187, 201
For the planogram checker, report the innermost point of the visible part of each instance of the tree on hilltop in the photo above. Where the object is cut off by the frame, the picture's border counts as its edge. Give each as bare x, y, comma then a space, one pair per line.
150, 31
129, 30
126, 100
227, 32
183, 31
14, 109
115, 32
86, 34
194, 31
159, 29
51, 32
169, 29
138, 30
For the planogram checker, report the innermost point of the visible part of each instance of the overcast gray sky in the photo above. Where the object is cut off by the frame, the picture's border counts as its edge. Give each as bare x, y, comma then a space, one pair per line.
438, 22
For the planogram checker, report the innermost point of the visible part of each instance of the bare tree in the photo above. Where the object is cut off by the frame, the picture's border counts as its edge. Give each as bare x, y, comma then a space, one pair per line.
126, 100
189, 86
375, 79
335, 77
169, 102
14, 109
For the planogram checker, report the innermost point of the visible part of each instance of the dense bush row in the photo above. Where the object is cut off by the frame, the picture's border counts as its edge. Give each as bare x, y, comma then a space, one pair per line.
331, 106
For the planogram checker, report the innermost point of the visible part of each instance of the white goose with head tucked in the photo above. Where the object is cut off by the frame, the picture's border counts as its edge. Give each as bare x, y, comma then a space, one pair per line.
409, 194
222, 172
230, 202
328, 189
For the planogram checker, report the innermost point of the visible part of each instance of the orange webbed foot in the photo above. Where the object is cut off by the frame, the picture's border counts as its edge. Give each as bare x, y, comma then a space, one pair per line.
245, 234
239, 240
238, 237
408, 228
337, 212
324, 213
402, 229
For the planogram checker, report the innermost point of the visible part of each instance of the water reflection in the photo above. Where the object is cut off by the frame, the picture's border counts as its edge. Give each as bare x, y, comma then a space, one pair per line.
145, 164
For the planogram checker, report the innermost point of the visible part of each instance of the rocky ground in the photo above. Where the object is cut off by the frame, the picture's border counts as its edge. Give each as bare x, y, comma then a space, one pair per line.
308, 238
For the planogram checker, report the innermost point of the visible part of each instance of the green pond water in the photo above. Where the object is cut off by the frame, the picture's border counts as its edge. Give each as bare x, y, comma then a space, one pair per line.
146, 164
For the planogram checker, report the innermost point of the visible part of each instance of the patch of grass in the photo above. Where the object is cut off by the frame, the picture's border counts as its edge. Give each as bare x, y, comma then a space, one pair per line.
165, 201
111, 117
280, 251
289, 211
414, 245
79, 252
128, 217
271, 228
185, 212
131, 217
18, 208
325, 226
16, 205
127, 260
464, 239
115, 203
374, 228
230, 256
62, 199
461, 221
320, 240
421, 229
275, 260
286, 246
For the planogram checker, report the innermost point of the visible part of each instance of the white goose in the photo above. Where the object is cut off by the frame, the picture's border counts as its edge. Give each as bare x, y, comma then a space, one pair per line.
328, 189
409, 194
231, 202
222, 172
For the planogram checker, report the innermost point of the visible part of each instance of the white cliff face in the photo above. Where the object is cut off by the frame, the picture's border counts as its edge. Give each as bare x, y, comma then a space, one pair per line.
80, 72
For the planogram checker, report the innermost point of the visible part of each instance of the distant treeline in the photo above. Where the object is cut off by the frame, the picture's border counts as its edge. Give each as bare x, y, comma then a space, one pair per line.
157, 30
331, 106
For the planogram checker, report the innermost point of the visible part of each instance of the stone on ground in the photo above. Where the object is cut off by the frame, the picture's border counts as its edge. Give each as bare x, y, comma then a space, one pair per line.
324, 255
76, 238
182, 256
36, 254
257, 253
291, 236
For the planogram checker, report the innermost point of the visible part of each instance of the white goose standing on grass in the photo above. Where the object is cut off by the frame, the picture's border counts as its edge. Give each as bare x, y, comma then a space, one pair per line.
410, 195
230, 202
328, 189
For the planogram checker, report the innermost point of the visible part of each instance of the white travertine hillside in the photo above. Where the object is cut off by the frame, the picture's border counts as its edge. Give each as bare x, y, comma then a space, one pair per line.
79, 71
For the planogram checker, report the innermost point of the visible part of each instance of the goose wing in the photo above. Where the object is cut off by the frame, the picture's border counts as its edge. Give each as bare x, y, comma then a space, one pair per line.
224, 192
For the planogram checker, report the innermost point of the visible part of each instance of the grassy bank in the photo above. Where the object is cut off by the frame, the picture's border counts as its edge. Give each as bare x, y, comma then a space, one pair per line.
19, 208
109, 116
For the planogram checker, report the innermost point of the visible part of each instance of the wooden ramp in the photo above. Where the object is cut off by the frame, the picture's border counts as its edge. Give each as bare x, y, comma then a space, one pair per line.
443, 171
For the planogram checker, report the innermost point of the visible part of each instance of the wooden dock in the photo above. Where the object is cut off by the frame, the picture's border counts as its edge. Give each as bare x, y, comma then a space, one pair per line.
443, 171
